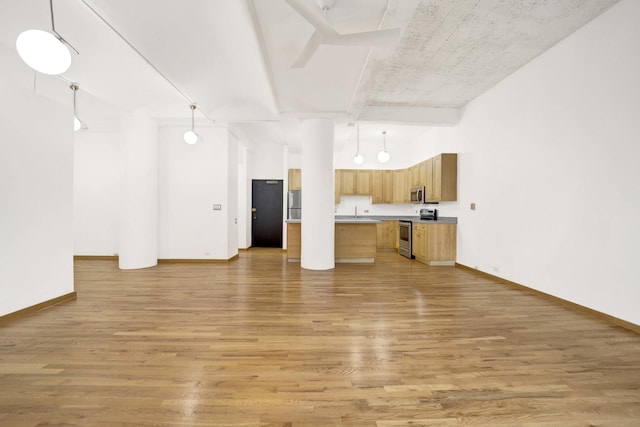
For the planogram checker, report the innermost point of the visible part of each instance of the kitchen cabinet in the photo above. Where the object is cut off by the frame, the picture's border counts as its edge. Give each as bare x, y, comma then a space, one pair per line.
382, 186
295, 179
386, 235
363, 182
418, 175
400, 186
442, 182
354, 242
337, 183
348, 181
418, 242
434, 244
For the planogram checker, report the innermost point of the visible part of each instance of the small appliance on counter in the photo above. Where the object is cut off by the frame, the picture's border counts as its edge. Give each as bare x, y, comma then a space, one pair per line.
429, 214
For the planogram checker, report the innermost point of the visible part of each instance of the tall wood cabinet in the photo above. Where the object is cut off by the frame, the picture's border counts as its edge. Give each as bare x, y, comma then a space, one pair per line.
295, 179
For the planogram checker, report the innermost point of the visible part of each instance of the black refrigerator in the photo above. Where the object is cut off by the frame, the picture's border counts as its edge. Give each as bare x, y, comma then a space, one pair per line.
295, 204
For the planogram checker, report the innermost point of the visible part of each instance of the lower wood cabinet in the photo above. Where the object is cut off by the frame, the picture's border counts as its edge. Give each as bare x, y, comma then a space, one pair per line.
386, 235
434, 244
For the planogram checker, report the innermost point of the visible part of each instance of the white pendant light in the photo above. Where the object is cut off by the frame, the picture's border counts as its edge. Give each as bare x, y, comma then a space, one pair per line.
43, 51
77, 123
358, 159
384, 156
190, 136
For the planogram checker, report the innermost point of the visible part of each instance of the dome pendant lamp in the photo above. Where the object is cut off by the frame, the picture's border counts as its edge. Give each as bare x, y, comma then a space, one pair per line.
190, 136
358, 159
45, 52
384, 156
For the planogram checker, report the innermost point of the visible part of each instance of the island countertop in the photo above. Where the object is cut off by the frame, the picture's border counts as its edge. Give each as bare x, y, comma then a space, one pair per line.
354, 240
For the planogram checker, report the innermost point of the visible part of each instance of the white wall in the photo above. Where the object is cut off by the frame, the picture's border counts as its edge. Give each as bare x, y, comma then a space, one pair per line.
550, 157
244, 208
96, 188
36, 207
232, 195
267, 160
192, 178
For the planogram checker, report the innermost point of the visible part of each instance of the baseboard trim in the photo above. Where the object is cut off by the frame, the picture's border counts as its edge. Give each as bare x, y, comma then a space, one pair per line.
96, 257
196, 260
611, 319
41, 306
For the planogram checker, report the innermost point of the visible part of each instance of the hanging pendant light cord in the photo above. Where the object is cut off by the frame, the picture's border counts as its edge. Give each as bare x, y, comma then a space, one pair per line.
193, 107
53, 28
358, 138
384, 140
74, 87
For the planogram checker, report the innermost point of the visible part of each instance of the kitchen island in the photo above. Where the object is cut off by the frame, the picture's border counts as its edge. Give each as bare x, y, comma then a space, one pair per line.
355, 240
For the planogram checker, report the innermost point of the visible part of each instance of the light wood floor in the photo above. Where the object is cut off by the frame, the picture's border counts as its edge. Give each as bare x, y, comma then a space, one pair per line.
260, 342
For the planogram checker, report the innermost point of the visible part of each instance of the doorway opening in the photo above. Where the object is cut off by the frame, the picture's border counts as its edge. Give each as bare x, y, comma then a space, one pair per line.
266, 213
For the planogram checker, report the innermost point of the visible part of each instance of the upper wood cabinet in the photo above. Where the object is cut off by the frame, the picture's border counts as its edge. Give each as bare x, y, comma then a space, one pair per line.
352, 182
382, 186
400, 186
442, 178
363, 182
418, 175
439, 176
387, 186
295, 179
337, 183
348, 181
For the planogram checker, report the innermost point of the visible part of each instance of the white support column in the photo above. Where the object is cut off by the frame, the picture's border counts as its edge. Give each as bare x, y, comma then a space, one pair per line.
138, 239
318, 222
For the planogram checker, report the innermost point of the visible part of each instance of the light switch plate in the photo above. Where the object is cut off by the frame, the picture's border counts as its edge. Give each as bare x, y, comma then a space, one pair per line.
217, 207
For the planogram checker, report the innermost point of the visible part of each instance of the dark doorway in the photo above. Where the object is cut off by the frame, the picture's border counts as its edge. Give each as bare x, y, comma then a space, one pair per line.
266, 213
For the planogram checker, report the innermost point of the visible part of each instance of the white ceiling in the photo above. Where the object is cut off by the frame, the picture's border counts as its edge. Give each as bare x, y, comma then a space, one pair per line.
233, 57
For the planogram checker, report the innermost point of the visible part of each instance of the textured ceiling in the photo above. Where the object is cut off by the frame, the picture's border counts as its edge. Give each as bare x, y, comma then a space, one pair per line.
233, 58
452, 51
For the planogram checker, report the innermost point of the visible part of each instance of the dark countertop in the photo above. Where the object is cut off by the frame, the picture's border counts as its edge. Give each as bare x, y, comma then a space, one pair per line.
414, 218
345, 220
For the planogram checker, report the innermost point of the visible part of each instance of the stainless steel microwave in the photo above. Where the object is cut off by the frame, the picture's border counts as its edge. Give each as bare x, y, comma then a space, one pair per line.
417, 195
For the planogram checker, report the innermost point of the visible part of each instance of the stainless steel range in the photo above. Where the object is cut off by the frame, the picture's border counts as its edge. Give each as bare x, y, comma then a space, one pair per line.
404, 236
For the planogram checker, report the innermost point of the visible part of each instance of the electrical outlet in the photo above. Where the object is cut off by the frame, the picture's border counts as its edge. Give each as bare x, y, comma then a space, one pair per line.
473, 206
217, 207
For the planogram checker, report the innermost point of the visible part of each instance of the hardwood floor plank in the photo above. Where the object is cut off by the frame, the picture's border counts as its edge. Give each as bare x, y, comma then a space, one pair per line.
260, 342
